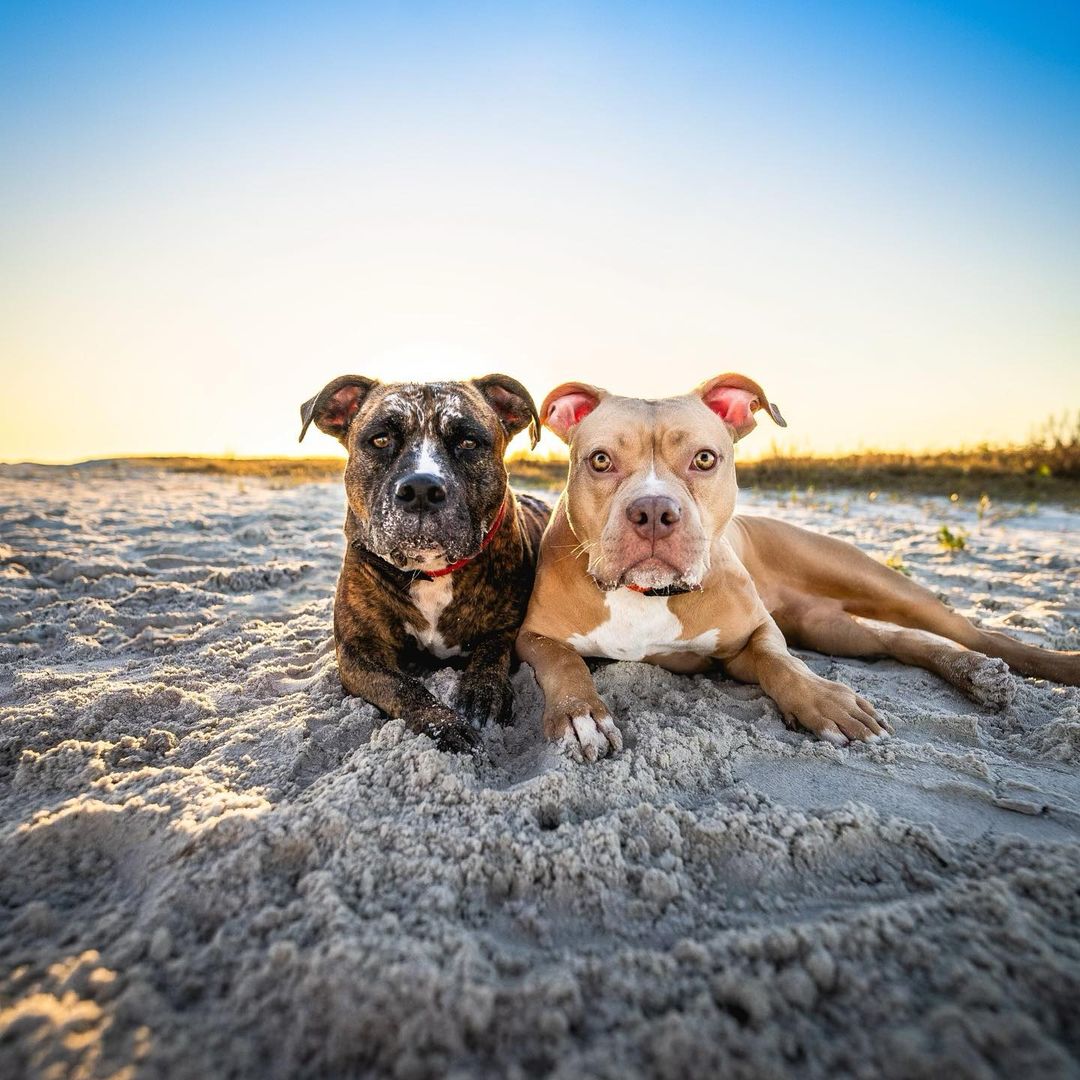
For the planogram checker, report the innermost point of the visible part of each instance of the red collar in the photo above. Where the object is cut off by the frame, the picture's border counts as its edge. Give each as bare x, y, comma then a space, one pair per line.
464, 562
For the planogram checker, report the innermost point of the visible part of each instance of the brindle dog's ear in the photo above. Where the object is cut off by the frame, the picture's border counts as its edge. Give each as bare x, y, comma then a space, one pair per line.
513, 404
334, 406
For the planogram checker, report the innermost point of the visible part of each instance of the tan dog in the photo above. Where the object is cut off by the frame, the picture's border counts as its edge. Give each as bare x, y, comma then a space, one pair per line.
643, 560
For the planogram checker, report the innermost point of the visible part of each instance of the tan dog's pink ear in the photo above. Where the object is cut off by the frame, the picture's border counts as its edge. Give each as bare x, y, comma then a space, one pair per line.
735, 399
567, 405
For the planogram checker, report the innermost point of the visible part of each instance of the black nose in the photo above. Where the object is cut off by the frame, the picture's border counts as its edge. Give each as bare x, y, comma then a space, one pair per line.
653, 516
421, 491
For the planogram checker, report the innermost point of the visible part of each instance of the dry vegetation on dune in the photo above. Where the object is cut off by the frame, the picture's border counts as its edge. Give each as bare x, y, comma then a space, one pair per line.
1047, 467
289, 470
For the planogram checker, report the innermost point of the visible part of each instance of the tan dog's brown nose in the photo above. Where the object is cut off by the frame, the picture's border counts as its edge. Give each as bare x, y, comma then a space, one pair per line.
654, 516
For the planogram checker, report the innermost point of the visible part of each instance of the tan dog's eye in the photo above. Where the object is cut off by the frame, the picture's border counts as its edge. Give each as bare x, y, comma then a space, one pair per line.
467, 444
599, 461
704, 460
380, 442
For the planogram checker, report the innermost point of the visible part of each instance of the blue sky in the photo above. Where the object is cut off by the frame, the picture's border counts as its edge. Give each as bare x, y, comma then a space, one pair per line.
207, 213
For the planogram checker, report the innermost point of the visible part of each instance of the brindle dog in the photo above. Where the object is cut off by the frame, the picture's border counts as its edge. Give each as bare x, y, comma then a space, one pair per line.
441, 552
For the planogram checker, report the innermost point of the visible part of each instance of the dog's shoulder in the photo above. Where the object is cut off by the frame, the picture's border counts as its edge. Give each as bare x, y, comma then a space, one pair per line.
371, 600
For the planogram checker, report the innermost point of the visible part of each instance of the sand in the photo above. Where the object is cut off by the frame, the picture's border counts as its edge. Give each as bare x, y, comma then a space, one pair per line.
215, 864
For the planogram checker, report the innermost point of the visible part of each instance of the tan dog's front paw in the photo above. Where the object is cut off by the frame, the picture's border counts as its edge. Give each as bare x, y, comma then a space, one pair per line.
834, 712
582, 730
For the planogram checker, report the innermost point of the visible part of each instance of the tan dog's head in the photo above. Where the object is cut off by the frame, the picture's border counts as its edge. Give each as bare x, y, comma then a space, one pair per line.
652, 482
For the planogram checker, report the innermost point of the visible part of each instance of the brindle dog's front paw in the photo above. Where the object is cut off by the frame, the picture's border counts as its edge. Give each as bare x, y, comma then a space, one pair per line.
452, 733
582, 729
835, 713
483, 696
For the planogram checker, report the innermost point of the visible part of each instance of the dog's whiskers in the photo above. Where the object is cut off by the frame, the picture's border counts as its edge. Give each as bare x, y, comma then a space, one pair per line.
586, 547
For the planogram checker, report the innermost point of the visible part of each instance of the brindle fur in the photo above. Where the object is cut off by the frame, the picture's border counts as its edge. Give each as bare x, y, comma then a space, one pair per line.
373, 606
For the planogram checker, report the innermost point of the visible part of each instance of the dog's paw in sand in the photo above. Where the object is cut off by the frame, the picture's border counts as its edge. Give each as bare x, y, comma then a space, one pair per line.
583, 730
484, 696
984, 679
834, 713
451, 733
587, 739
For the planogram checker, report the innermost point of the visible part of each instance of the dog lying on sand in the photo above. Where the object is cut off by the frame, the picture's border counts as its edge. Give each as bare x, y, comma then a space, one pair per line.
440, 551
644, 559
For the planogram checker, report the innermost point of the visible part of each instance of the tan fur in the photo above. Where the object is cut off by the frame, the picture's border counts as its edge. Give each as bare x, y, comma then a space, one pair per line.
758, 584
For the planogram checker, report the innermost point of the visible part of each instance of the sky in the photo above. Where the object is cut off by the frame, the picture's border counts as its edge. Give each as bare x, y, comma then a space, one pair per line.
209, 211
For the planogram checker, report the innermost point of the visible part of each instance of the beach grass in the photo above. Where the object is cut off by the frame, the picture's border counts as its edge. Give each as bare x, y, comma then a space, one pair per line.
1044, 469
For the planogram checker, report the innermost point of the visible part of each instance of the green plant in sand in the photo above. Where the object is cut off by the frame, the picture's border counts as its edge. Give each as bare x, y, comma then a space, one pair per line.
952, 541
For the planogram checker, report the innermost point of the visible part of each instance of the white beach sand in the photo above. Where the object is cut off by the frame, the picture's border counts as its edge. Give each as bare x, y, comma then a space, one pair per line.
213, 864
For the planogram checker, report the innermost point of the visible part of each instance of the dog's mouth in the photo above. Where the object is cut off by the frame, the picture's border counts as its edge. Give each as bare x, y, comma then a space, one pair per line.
651, 574
428, 541
423, 549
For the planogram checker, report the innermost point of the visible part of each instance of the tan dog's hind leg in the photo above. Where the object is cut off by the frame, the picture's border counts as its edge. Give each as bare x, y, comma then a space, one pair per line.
825, 627
574, 715
905, 603
803, 567
926, 612
830, 710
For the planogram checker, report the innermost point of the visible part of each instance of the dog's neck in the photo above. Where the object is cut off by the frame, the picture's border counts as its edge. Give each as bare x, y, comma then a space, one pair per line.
488, 537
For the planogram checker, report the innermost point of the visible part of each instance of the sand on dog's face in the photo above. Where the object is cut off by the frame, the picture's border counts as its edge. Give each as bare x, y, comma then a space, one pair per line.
214, 863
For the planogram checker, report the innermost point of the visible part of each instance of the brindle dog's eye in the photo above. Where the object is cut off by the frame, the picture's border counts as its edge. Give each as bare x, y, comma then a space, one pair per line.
599, 461
380, 442
467, 444
704, 460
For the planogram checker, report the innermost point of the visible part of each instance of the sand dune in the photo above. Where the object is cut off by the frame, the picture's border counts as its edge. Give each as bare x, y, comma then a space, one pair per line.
215, 864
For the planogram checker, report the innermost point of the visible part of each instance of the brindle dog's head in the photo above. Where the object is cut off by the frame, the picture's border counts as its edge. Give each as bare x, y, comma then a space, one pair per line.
425, 477
652, 482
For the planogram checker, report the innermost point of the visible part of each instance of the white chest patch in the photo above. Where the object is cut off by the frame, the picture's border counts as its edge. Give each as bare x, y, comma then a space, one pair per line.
431, 598
638, 626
